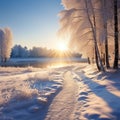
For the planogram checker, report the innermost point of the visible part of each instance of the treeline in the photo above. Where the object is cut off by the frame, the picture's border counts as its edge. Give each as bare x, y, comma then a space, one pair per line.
19, 51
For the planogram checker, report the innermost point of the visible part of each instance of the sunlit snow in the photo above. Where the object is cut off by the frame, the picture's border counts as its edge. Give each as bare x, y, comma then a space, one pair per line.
74, 92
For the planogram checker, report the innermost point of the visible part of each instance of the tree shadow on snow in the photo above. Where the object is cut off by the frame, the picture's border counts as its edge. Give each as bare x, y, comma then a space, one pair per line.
113, 76
101, 91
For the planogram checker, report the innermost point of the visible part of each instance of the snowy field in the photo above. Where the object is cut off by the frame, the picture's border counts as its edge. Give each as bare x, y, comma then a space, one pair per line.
71, 92
24, 91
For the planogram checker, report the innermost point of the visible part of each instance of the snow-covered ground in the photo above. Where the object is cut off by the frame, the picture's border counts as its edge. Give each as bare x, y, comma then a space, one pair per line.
25, 91
72, 92
99, 94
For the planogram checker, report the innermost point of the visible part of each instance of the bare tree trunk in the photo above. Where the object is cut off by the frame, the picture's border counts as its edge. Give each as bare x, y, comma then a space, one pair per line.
106, 47
1, 54
115, 66
106, 33
96, 58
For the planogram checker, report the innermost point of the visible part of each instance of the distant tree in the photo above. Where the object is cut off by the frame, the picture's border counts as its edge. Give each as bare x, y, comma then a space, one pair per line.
39, 52
19, 52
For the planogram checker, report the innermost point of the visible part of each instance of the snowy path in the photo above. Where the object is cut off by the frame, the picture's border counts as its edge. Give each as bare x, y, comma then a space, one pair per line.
63, 104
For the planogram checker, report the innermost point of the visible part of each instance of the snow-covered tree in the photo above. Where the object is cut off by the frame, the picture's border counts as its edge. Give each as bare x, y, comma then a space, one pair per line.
19, 52
5, 43
86, 22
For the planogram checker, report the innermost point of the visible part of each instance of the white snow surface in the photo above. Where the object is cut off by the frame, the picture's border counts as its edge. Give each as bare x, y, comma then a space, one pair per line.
72, 92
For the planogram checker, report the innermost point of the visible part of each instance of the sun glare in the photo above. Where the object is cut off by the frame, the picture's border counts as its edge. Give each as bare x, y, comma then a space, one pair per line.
62, 46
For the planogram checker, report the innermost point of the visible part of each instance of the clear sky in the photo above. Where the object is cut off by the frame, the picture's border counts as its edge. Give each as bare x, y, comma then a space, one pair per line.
33, 22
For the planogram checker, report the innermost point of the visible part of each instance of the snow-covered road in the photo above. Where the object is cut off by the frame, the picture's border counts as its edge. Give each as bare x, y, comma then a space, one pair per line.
62, 106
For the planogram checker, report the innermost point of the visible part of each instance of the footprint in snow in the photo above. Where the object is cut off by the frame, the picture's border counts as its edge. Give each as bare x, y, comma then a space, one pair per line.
84, 98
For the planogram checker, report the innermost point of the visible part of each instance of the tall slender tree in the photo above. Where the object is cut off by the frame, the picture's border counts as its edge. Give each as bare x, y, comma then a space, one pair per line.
93, 27
116, 45
105, 17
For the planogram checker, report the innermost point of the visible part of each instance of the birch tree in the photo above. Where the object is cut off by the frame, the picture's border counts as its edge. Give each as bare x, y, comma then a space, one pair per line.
105, 19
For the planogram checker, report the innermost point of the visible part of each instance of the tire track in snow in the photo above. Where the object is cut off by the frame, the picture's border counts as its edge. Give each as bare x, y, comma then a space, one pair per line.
63, 104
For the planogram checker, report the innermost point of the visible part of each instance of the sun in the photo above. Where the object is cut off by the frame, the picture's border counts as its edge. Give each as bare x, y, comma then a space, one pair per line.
62, 46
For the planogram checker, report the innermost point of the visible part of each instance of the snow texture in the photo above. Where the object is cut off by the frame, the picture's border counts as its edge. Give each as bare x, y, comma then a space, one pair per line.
74, 92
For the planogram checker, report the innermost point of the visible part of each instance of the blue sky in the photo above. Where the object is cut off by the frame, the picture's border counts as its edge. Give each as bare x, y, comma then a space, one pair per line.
33, 22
